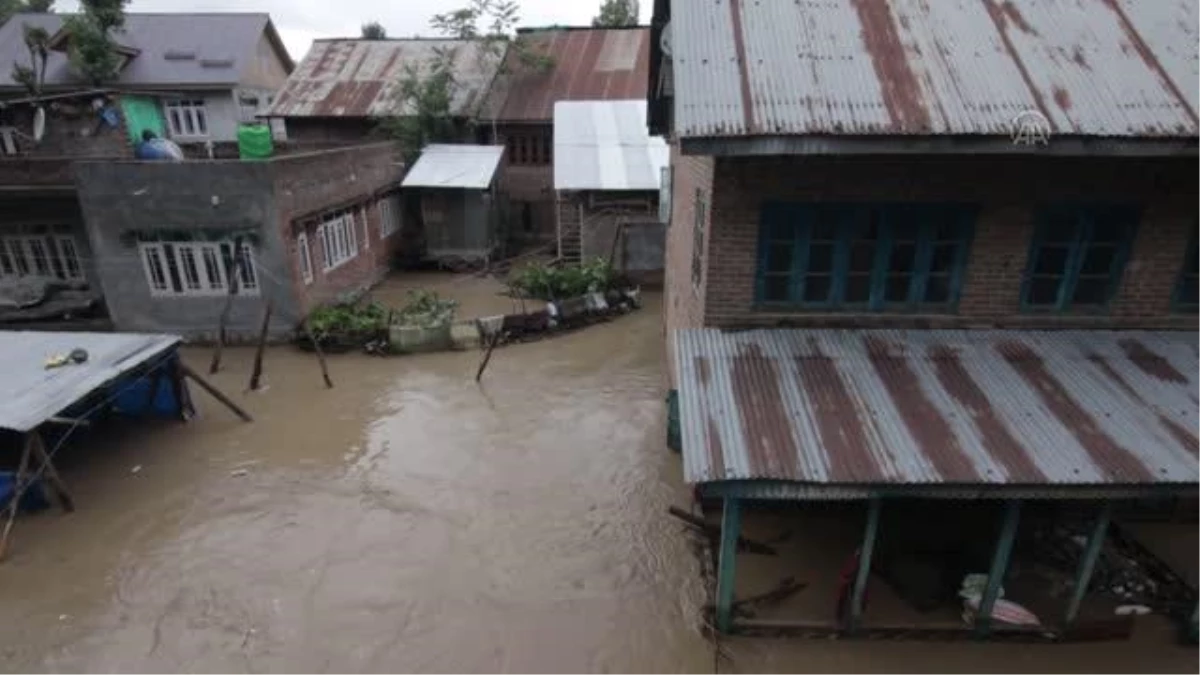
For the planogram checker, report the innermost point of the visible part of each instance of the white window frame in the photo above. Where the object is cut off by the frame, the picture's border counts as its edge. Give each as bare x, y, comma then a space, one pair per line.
389, 224
339, 243
183, 114
20, 256
199, 268
306, 270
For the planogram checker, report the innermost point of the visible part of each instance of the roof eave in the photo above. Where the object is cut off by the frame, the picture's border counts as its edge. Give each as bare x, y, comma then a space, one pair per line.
1060, 146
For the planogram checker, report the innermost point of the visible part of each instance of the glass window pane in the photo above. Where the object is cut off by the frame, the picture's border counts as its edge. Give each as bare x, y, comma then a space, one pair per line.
816, 288
1188, 291
1044, 291
858, 288
1051, 260
896, 289
862, 256
776, 288
1098, 259
825, 225
937, 289
779, 258
1110, 228
1090, 291
820, 258
903, 258
1060, 227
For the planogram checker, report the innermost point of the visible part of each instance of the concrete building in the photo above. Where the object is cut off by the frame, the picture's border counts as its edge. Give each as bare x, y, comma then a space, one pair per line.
343, 88
607, 186
312, 226
552, 65
189, 77
846, 166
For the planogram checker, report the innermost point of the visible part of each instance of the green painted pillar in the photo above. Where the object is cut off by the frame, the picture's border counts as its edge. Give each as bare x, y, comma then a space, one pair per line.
1004, 546
731, 525
1087, 563
864, 565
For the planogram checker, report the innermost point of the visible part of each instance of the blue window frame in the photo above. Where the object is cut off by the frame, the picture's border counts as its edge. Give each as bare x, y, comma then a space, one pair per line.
1077, 257
866, 257
1185, 298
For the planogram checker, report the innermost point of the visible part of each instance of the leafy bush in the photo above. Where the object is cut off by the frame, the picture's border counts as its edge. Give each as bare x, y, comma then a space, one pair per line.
426, 309
348, 319
556, 283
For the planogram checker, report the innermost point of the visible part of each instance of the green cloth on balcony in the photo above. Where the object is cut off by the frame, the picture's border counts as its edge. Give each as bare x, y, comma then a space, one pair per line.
141, 113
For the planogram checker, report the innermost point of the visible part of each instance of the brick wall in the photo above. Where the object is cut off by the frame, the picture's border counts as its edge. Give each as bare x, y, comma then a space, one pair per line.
683, 303
307, 185
1008, 191
528, 183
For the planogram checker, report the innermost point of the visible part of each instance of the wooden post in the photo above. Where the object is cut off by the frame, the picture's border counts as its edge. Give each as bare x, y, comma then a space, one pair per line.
864, 565
216, 393
256, 373
731, 523
488, 356
38, 448
18, 490
235, 273
182, 398
1004, 546
1087, 563
317, 348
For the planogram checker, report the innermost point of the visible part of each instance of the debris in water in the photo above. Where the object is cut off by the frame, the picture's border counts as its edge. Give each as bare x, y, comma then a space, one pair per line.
237, 473
137, 468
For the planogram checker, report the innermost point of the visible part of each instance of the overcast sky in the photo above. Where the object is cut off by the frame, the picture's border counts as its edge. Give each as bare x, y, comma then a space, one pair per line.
300, 21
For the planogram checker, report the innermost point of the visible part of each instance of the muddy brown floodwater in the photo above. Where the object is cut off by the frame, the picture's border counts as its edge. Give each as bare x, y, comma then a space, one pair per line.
411, 520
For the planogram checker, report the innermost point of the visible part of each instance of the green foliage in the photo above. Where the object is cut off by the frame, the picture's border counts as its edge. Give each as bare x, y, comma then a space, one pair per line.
426, 309
10, 7
373, 30
423, 100
92, 51
543, 282
348, 320
617, 13
34, 75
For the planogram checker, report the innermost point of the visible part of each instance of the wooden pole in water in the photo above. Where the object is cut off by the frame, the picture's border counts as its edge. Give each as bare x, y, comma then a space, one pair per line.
235, 273
38, 449
216, 393
731, 522
1004, 546
488, 356
18, 490
256, 373
317, 348
865, 552
1087, 564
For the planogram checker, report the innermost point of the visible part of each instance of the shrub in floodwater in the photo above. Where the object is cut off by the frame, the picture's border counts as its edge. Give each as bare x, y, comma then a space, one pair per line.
426, 309
543, 282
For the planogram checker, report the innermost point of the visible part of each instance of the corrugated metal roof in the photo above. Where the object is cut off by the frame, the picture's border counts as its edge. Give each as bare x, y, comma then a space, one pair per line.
603, 145
221, 45
361, 78
1107, 68
587, 64
29, 393
931, 408
455, 166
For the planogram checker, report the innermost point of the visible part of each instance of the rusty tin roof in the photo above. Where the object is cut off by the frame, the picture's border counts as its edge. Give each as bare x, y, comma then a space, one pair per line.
359, 78
829, 408
588, 64
1105, 68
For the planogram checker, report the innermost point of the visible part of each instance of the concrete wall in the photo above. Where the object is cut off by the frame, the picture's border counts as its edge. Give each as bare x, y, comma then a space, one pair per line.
1008, 190
119, 198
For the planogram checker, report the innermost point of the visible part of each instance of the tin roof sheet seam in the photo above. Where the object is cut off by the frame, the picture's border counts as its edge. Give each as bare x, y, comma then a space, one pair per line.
455, 166
603, 145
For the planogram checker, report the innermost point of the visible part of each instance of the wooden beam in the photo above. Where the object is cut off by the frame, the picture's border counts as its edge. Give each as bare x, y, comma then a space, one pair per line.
38, 447
864, 565
235, 273
320, 354
18, 490
1004, 546
216, 393
731, 523
256, 372
1087, 563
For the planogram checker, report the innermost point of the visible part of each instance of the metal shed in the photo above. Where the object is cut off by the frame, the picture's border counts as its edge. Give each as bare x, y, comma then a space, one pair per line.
459, 212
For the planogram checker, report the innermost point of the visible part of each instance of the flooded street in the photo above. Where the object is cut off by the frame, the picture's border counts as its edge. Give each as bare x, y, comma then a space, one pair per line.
412, 520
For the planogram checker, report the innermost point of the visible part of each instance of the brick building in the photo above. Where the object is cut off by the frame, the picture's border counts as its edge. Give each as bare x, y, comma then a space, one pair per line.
1013, 184
554, 64
313, 226
902, 197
